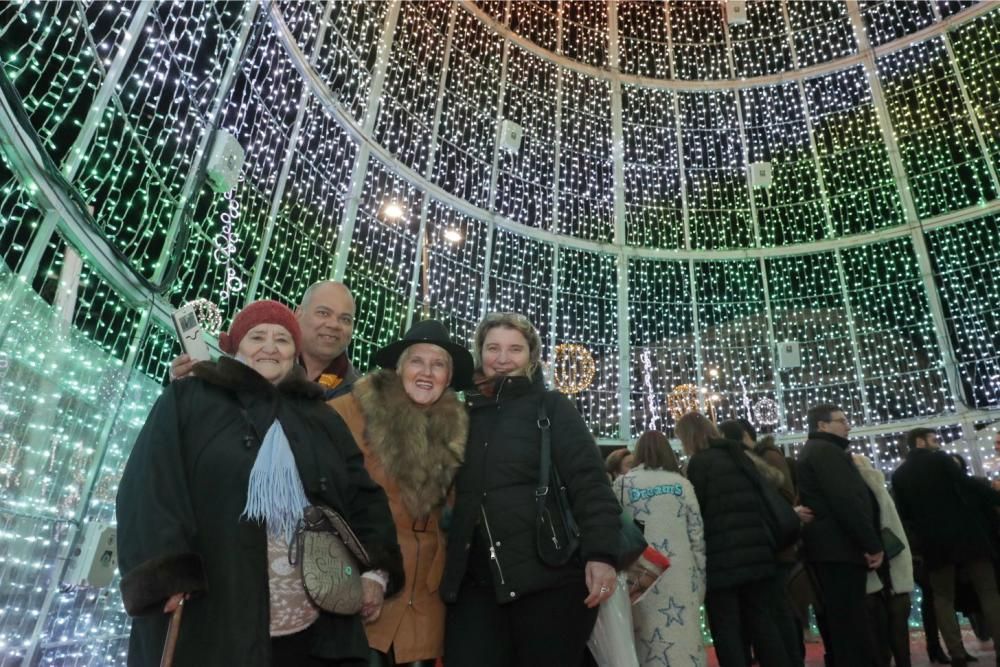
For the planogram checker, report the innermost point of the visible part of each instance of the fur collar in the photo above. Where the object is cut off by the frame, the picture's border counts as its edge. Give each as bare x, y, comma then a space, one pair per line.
234, 375
766, 470
420, 448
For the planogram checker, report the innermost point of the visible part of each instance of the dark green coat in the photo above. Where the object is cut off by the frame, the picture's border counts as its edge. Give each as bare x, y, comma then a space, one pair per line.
179, 503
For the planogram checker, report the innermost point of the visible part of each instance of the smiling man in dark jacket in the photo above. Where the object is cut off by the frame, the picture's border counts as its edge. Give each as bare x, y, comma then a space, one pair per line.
946, 514
843, 541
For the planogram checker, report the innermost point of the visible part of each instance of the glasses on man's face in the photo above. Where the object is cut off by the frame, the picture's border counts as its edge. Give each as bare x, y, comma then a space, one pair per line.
843, 420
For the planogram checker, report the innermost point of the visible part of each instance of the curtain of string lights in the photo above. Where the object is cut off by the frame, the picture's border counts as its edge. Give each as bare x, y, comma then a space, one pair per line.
626, 221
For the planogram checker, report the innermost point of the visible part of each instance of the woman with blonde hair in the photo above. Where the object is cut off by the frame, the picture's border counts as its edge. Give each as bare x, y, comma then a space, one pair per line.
888, 589
740, 558
658, 496
411, 429
506, 605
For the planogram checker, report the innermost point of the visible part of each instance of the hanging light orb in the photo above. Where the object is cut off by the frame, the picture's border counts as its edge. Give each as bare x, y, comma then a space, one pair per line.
573, 368
765, 412
208, 314
682, 400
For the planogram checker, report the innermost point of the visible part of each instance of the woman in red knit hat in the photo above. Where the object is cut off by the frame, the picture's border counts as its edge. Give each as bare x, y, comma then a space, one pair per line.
211, 496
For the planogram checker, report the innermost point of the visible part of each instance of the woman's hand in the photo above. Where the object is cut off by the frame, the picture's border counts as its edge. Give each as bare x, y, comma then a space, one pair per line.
601, 581
174, 601
805, 514
372, 596
181, 367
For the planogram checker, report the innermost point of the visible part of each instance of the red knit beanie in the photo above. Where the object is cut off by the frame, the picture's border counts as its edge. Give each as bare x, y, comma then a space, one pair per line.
264, 311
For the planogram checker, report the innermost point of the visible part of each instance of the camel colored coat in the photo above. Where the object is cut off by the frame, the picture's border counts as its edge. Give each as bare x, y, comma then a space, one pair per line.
413, 454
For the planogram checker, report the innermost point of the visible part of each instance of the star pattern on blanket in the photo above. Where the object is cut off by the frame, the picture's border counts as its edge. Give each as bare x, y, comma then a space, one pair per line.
655, 649
673, 612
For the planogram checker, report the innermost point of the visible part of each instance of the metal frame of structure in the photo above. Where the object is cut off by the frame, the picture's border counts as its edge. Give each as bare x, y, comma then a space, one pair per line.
63, 214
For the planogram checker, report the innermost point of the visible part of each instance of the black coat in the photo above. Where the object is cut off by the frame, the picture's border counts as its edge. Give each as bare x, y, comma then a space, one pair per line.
496, 484
847, 521
179, 503
946, 514
738, 549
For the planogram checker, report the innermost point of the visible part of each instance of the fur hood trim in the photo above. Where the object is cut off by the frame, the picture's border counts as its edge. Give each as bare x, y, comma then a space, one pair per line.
766, 470
236, 376
420, 448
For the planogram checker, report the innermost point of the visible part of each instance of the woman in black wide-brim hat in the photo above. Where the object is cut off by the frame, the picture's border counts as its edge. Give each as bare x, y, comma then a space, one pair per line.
412, 428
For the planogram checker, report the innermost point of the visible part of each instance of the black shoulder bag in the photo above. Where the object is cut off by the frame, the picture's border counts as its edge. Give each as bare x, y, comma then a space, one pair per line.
557, 533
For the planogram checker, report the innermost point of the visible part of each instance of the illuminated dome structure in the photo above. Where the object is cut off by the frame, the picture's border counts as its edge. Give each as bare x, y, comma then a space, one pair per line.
769, 203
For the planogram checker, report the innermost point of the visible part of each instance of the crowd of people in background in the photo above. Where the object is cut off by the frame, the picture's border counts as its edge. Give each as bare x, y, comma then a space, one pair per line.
493, 525
863, 545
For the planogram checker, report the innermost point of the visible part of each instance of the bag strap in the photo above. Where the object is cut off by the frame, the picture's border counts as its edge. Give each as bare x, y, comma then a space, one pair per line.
746, 465
548, 473
545, 459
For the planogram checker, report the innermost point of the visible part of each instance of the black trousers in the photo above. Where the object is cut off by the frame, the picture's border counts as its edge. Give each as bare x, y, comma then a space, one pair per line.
738, 613
784, 617
842, 595
543, 629
889, 628
927, 612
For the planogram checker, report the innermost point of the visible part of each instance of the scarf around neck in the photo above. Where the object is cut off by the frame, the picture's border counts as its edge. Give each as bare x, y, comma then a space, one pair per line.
275, 495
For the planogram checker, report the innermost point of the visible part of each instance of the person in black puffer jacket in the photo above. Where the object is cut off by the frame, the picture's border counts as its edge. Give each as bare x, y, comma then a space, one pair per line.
505, 606
741, 563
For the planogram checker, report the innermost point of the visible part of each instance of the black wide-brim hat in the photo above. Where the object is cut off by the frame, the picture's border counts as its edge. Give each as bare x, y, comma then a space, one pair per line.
431, 332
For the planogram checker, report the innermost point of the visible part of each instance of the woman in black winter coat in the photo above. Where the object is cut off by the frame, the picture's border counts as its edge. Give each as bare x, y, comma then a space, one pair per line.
505, 606
211, 494
740, 556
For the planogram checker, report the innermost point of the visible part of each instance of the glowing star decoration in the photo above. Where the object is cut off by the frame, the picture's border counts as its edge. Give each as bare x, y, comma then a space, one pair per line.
208, 314
682, 400
765, 412
574, 368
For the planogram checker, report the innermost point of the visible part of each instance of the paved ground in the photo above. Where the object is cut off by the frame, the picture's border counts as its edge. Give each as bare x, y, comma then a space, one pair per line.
984, 651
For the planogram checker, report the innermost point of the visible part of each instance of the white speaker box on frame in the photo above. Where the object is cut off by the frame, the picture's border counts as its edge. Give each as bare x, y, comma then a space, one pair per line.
789, 355
736, 12
510, 136
224, 161
760, 174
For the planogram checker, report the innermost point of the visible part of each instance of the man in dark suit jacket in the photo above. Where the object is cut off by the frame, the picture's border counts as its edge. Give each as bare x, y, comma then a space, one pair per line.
947, 517
843, 541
